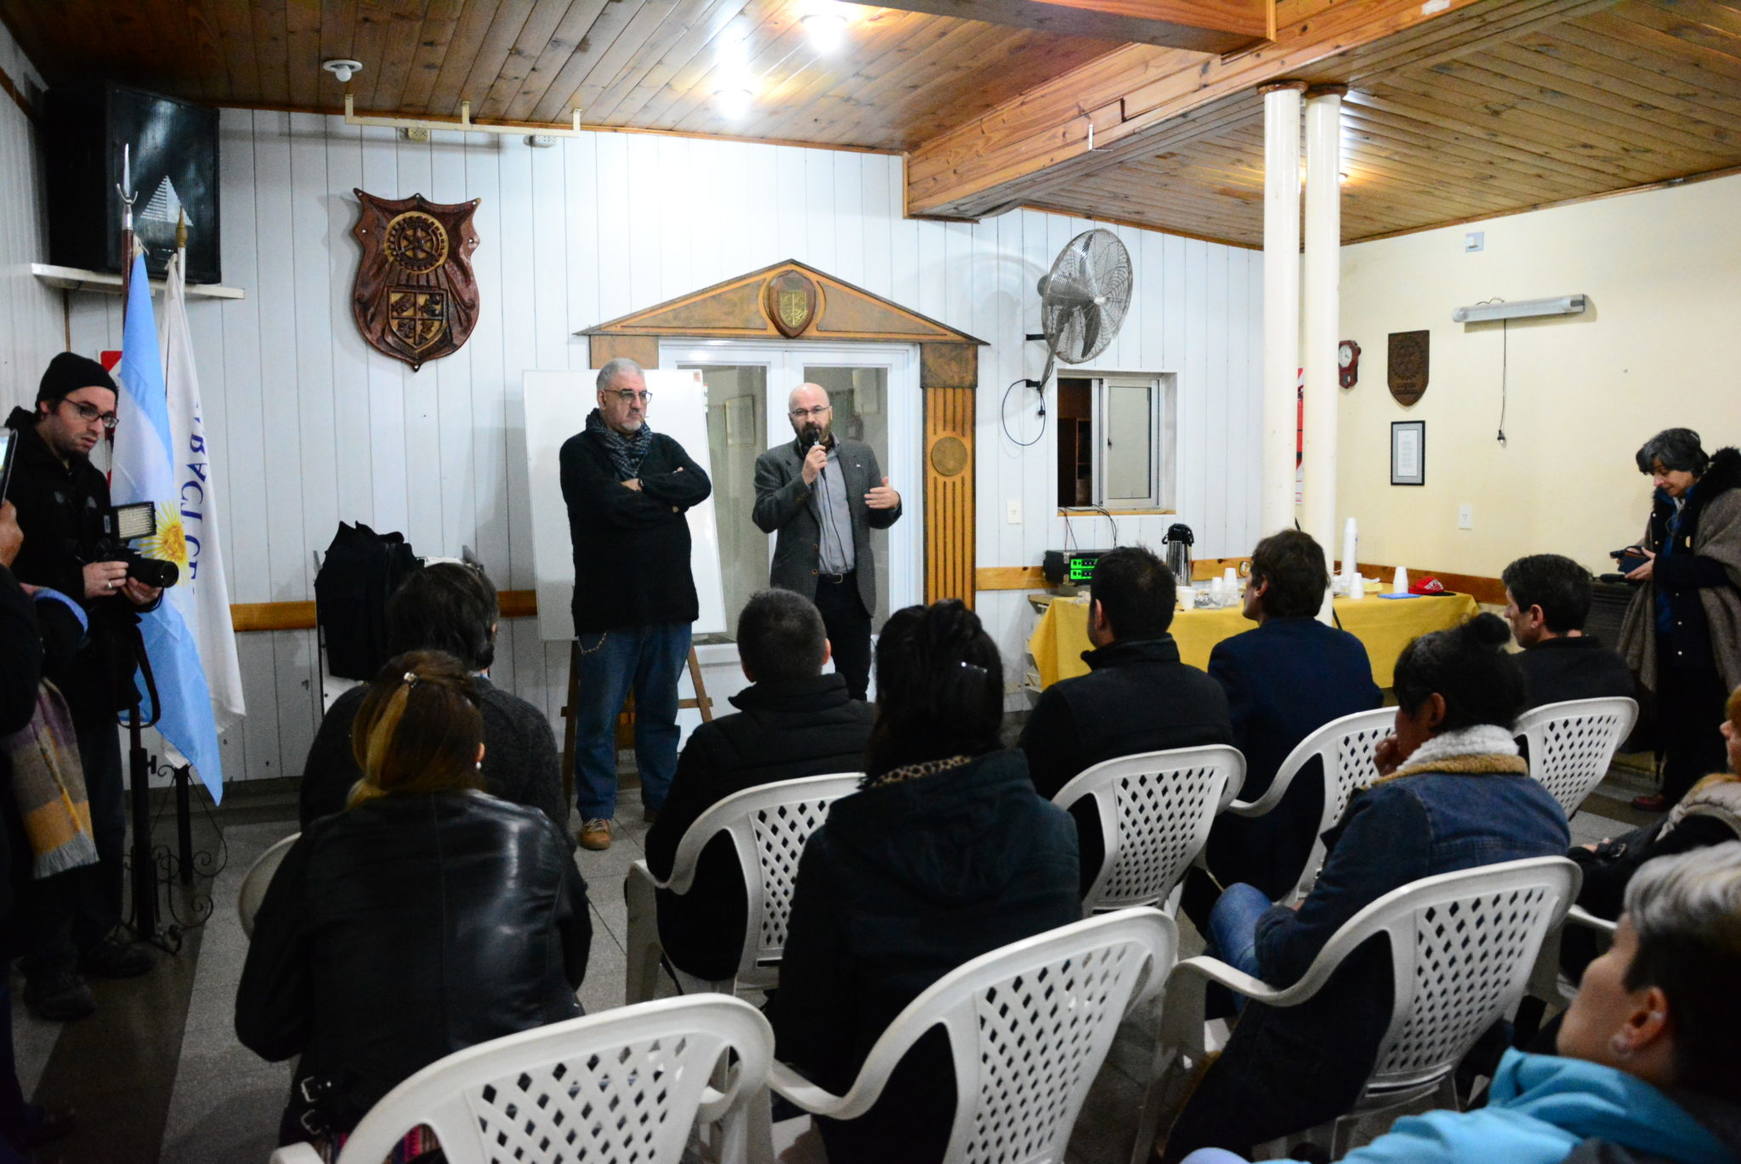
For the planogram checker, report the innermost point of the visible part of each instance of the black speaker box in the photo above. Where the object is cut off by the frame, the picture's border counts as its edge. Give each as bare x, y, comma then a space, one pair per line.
174, 168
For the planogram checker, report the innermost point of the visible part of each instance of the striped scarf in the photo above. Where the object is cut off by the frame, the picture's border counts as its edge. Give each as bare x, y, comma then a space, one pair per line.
626, 452
48, 784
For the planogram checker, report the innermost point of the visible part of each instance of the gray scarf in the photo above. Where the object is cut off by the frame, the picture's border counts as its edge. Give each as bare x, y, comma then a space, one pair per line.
626, 452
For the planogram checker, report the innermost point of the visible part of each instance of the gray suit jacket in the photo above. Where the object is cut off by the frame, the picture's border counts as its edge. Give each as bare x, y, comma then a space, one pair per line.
784, 504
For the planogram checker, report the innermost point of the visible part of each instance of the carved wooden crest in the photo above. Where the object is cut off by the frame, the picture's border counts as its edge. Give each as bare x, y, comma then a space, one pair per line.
790, 301
415, 297
1408, 365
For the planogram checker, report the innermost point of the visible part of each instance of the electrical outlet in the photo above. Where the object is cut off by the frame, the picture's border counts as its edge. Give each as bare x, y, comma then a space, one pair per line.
1475, 240
1015, 512
1465, 516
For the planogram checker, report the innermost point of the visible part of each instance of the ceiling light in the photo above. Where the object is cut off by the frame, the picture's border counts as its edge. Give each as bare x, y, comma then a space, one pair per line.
1522, 309
734, 103
344, 70
826, 31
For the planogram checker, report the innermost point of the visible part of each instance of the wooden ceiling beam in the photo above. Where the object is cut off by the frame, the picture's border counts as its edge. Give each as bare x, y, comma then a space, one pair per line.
1139, 99
1205, 26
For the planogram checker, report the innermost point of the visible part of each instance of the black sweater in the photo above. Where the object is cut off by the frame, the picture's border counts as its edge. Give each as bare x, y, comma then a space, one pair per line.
783, 730
520, 763
631, 547
1562, 668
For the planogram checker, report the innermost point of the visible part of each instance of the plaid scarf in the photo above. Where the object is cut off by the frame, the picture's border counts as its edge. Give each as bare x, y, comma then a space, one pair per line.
626, 452
49, 786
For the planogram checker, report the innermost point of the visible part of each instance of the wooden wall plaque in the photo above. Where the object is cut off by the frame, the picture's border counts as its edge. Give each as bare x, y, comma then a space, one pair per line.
1408, 365
415, 297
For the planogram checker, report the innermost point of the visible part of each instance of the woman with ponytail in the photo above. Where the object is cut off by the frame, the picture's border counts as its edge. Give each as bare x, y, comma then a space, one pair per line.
1453, 793
426, 917
946, 852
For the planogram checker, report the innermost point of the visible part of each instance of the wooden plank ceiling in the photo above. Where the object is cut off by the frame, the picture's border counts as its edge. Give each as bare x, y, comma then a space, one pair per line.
1491, 107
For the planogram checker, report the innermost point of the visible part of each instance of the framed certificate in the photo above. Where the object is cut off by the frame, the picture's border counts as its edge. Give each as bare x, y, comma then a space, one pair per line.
1408, 452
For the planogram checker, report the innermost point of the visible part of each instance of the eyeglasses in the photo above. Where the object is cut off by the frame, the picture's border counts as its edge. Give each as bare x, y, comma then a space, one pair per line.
628, 396
89, 412
814, 413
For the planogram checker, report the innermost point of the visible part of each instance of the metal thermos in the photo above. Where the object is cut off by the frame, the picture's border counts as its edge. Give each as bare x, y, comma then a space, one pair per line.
1178, 542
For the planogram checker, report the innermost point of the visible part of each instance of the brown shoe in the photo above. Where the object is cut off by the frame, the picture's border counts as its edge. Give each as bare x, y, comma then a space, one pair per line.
595, 835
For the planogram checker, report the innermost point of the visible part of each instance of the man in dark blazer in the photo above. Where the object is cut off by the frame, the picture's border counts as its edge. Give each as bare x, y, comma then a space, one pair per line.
1137, 696
822, 495
1284, 680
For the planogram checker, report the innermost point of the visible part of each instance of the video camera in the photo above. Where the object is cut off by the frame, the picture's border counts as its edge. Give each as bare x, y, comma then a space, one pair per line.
130, 523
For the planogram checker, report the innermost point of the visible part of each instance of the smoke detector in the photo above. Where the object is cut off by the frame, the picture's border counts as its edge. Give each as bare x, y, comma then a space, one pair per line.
344, 70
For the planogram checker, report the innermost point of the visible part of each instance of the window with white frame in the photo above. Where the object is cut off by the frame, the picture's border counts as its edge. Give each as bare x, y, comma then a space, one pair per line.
1116, 445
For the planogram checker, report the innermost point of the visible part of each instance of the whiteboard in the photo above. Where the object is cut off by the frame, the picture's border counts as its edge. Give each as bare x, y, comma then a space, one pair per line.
556, 407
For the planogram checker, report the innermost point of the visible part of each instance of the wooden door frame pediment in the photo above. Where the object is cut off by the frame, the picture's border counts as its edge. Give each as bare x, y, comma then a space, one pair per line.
791, 302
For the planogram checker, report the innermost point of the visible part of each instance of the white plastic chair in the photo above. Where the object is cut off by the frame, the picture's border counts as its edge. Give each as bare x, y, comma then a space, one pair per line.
1462, 948
256, 880
1029, 1025
768, 826
624, 1085
1345, 746
1155, 811
1545, 981
1572, 743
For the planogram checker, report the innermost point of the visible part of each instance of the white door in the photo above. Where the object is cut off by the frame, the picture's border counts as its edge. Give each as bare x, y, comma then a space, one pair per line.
874, 389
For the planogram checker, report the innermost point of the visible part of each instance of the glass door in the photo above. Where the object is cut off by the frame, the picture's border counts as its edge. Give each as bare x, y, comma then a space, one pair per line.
875, 396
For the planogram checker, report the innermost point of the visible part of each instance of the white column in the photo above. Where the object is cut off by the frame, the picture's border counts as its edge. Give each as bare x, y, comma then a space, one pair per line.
1281, 303
1322, 293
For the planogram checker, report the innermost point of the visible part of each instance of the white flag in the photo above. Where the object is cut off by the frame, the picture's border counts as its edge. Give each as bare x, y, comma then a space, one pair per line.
202, 594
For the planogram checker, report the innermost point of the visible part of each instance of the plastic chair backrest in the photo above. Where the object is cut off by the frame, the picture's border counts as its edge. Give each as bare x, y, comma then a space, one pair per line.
1029, 1025
1345, 746
1155, 812
1572, 743
256, 880
1462, 946
623, 1085
768, 826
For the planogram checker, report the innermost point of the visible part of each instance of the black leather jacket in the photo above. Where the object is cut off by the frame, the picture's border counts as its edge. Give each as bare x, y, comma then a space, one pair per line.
405, 929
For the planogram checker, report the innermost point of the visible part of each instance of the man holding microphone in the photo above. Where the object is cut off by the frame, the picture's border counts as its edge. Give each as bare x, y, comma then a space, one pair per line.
823, 495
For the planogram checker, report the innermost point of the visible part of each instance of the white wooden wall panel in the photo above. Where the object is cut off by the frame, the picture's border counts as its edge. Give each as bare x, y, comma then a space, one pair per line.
32, 321
315, 427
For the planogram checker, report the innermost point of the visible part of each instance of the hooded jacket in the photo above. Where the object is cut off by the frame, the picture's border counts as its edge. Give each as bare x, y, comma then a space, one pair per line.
1543, 1109
903, 883
1701, 576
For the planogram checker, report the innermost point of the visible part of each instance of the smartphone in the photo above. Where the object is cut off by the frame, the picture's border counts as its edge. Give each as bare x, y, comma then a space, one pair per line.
8, 449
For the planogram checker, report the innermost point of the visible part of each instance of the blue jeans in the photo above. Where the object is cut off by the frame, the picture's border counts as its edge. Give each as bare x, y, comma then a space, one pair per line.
1233, 930
650, 658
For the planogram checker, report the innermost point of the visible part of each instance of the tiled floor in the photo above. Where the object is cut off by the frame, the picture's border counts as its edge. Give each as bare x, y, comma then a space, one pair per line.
216, 1103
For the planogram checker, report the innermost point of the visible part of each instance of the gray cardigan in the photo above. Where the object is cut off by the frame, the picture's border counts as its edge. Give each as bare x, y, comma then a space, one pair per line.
786, 506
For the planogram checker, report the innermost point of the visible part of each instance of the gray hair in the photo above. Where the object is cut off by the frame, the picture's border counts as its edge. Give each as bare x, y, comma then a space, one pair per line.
621, 366
1686, 910
1678, 449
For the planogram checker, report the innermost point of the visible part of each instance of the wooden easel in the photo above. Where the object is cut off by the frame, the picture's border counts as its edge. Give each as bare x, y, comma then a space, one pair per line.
625, 719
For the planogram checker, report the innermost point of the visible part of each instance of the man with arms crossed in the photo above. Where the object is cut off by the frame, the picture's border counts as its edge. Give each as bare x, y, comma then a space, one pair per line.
823, 496
627, 488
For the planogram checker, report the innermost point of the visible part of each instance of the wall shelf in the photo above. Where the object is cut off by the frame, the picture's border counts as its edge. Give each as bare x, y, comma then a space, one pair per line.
74, 279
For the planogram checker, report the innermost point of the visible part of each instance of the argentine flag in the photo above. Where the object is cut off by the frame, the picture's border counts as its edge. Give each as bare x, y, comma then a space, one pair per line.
144, 471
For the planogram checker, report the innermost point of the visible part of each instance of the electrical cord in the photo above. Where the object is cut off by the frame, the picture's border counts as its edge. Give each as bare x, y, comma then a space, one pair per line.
1504, 359
1004, 419
1107, 514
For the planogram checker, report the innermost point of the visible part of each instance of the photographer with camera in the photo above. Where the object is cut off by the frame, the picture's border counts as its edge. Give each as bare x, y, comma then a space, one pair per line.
72, 922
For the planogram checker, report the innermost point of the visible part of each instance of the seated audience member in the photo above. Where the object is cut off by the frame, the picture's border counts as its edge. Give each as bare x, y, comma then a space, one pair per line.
946, 853
1284, 680
446, 607
1136, 697
427, 917
1547, 599
1453, 794
1709, 814
792, 721
1646, 1067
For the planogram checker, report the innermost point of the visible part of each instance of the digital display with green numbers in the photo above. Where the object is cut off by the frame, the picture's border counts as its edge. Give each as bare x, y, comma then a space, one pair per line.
1082, 565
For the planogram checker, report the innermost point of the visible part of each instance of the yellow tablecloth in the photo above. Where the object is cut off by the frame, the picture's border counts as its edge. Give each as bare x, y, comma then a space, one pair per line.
1385, 625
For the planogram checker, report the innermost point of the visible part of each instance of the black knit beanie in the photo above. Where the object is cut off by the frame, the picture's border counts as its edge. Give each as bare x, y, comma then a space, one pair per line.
68, 372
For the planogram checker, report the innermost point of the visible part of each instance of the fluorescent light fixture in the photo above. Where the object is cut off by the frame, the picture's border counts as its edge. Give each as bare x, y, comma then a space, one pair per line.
1522, 309
734, 103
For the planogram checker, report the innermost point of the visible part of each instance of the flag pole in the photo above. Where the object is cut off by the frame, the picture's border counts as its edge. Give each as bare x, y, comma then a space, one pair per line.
125, 189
